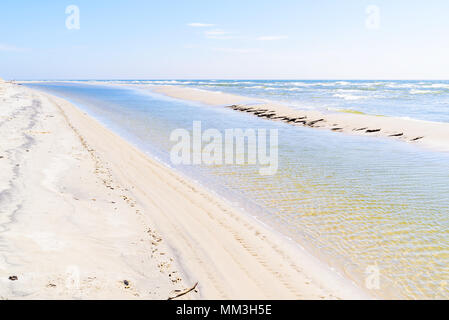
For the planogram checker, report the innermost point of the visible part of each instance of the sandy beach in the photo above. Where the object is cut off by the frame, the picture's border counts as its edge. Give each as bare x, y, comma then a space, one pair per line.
85, 215
432, 135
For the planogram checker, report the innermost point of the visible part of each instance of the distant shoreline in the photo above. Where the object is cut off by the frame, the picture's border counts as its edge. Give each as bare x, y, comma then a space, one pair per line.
432, 135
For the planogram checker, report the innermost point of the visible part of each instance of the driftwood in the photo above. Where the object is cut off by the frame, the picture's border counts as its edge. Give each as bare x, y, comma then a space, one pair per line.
266, 115
417, 138
360, 129
396, 135
184, 292
311, 123
372, 130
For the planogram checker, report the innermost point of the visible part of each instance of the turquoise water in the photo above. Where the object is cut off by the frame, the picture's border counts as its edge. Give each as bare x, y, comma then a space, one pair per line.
424, 100
356, 202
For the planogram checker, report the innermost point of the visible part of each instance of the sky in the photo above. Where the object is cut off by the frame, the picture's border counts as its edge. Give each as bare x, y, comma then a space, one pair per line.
218, 39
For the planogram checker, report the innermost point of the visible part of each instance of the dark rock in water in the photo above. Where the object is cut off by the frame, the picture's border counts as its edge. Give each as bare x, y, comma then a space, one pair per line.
335, 129
13, 278
372, 130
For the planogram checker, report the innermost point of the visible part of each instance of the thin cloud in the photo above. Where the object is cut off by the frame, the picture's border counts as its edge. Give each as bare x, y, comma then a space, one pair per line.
9, 48
272, 38
200, 25
218, 34
215, 33
236, 50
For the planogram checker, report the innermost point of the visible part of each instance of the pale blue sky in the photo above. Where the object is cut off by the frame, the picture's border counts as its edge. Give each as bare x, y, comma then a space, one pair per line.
244, 39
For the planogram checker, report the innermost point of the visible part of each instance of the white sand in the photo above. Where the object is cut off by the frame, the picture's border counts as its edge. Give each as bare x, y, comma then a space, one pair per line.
81, 210
432, 135
63, 232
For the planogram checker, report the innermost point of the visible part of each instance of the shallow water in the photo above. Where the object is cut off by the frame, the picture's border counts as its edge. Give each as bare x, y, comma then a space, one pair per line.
356, 202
